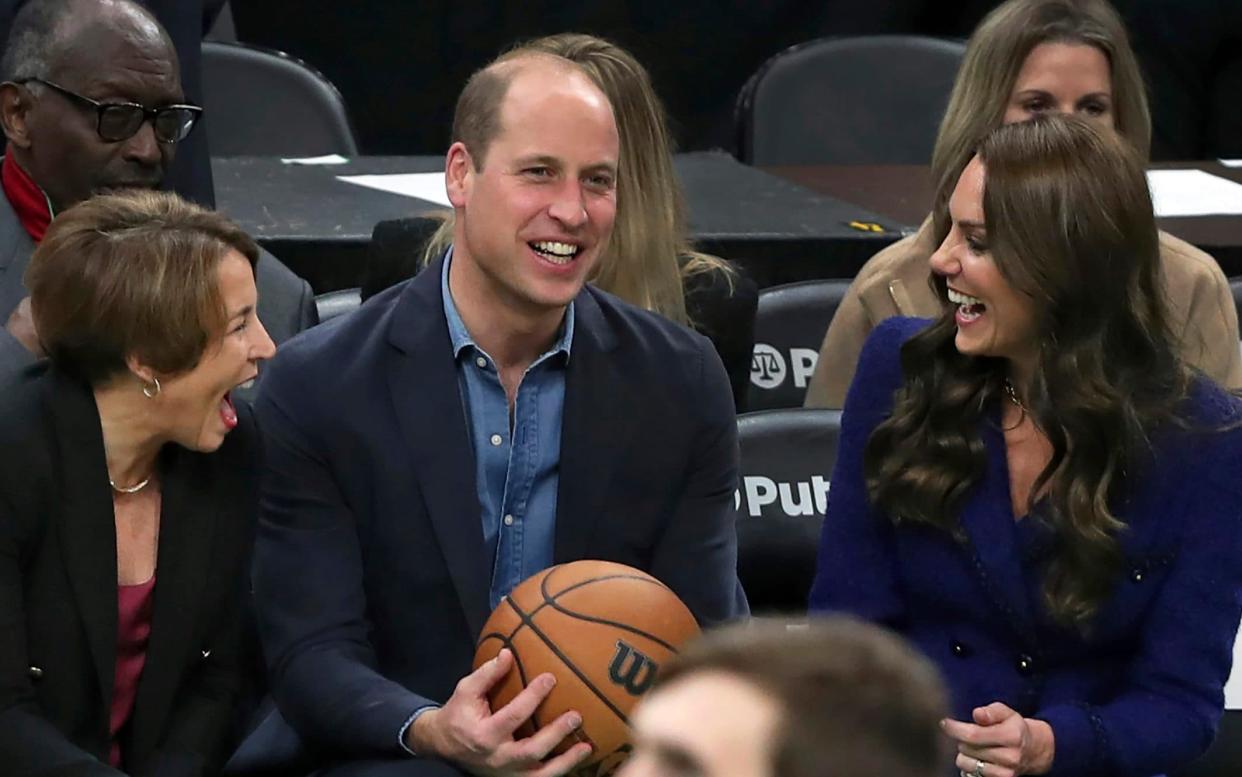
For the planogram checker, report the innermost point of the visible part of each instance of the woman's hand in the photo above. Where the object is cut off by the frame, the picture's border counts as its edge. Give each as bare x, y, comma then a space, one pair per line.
1004, 742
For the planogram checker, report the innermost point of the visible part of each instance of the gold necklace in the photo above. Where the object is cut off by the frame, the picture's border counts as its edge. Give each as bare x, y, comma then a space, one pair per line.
129, 489
1012, 393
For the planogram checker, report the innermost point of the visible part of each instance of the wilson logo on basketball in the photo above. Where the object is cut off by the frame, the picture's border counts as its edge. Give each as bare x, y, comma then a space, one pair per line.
632, 670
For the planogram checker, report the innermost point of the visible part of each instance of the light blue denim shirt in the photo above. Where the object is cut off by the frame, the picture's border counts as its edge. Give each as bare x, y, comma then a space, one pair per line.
517, 467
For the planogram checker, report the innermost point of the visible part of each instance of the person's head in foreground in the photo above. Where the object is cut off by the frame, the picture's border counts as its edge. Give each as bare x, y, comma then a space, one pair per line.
1048, 271
1030, 58
759, 700
151, 301
91, 98
532, 178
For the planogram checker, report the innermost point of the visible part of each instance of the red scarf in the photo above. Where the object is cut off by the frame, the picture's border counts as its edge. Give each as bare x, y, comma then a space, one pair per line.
27, 199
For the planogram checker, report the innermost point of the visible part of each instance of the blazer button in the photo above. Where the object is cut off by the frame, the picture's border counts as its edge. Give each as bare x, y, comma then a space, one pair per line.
960, 650
1025, 665
35, 673
1137, 574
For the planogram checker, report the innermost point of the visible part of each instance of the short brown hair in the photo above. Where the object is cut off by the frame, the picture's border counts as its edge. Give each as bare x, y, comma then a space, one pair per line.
132, 273
851, 694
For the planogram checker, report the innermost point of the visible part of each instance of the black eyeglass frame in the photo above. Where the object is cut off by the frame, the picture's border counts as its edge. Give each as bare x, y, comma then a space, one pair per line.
194, 112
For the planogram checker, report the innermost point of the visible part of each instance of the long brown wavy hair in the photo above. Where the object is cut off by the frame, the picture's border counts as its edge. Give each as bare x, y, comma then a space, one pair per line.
1069, 222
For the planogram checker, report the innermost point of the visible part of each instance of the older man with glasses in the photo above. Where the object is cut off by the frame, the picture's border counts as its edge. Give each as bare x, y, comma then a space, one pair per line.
92, 101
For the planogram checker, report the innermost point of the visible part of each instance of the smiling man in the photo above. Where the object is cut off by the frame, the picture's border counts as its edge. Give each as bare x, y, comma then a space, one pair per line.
461, 431
92, 101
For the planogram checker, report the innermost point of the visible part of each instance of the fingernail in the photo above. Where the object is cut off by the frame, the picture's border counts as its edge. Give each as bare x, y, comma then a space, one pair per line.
550, 682
575, 721
943, 722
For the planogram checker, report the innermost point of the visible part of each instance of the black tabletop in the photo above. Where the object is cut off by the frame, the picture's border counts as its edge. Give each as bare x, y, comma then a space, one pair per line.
321, 226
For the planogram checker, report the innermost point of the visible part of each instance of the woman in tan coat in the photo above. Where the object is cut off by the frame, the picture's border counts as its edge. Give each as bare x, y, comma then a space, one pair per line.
1027, 58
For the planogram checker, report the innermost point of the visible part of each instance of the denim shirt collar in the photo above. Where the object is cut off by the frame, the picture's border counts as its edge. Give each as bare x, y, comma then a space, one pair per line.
461, 338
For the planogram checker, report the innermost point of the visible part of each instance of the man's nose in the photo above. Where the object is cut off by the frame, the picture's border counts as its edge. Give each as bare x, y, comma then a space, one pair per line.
569, 207
142, 146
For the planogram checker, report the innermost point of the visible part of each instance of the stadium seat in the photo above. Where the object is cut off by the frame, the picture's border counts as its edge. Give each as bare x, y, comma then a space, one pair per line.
789, 328
337, 303
261, 102
873, 100
786, 461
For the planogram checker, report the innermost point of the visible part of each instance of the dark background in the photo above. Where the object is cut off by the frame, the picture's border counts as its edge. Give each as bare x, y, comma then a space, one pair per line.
400, 63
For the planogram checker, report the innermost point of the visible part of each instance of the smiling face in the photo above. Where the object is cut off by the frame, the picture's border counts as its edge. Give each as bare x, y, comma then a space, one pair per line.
123, 57
993, 318
198, 401
534, 216
1063, 78
706, 724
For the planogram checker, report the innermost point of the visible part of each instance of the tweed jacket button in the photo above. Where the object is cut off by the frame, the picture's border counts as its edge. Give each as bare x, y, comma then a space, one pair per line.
35, 673
1025, 665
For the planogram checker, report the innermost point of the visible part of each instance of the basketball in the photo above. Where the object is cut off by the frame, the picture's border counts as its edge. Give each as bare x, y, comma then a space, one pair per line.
603, 630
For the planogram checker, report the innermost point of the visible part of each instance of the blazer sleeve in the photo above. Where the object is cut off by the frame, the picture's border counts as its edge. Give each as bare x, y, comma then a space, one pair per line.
13, 355
1169, 708
855, 570
697, 553
29, 742
308, 587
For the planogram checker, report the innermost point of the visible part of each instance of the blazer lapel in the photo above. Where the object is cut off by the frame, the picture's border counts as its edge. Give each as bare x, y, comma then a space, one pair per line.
595, 430
86, 525
187, 523
992, 537
422, 378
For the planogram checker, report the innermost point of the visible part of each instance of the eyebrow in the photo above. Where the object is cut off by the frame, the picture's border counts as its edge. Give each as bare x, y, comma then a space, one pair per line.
679, 758
243, 313
1046, 93
970, 224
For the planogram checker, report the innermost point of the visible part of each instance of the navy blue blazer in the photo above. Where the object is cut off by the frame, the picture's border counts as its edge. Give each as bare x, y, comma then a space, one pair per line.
1142, 692
371, 576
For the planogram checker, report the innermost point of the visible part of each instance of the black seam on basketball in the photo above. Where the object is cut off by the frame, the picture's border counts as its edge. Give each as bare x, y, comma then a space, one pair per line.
517, 659
520, 614
571, 667
551, 599
623, 627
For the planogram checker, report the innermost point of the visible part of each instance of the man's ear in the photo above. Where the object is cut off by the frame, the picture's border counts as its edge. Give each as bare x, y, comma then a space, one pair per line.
15, 105
458, 174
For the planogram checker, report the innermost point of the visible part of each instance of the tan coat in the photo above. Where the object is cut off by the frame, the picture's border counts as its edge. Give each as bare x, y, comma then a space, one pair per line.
894, 282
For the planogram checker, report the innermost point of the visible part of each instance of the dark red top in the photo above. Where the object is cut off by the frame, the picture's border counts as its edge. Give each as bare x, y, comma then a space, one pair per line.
133, 628
27, 199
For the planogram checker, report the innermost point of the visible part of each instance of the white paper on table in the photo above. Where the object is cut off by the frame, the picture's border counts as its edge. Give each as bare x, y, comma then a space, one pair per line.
423, 186
1231, 162
1233, 688
327, 159
1193, 193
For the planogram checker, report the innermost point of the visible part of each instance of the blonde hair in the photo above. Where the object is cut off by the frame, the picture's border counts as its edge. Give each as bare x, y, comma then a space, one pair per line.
994, 57
649, 234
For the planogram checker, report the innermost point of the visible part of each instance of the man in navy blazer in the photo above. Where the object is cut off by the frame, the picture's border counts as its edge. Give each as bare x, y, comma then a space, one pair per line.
469, 427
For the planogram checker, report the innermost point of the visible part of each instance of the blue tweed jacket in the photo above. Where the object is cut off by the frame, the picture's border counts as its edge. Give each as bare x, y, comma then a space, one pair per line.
1141, 692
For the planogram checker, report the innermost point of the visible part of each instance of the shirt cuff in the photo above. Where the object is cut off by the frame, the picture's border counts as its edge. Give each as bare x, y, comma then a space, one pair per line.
409, 722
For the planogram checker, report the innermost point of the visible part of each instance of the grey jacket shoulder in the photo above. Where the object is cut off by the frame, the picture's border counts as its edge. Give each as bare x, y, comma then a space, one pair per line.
286, 302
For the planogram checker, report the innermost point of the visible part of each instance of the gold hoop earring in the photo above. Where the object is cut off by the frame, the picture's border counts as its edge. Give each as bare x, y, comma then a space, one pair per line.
148, 393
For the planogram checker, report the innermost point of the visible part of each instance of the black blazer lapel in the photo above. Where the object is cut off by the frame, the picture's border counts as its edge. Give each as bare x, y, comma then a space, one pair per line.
187, 524
992, 538
595, 429
422, 378
86, 525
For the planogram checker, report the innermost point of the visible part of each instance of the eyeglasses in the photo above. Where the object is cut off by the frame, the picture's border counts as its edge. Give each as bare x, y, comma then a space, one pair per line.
121, 121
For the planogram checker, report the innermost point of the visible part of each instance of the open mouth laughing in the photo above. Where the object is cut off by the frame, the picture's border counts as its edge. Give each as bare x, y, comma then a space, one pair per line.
556, 252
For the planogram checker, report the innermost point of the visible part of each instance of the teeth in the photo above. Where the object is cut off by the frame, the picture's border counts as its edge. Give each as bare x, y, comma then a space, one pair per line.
561, 253
958, 298
247, 384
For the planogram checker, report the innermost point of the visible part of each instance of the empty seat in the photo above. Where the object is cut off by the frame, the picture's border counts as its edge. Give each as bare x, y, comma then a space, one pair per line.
786, 462
337, 303
260, 102
874, 100
789, 328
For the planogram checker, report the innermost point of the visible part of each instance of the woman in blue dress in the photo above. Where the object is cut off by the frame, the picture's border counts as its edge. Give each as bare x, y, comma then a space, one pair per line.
1034, 488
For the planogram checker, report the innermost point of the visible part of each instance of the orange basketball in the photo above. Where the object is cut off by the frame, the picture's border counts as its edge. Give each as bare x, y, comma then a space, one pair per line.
604, 630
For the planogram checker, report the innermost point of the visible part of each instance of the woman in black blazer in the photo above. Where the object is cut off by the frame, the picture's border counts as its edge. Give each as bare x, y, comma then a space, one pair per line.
128, 492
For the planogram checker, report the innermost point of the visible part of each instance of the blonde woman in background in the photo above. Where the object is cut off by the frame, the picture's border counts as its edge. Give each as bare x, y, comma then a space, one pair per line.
1028, 58
650, 262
